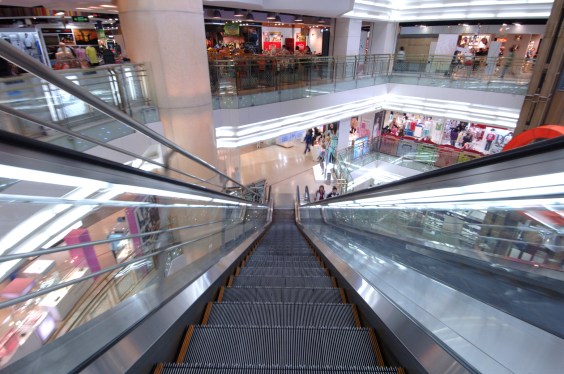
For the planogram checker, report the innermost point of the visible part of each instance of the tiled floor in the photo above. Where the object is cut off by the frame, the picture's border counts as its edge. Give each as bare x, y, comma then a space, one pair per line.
283, 168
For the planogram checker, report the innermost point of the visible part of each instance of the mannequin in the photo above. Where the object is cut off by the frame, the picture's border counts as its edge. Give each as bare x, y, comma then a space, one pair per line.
489, 139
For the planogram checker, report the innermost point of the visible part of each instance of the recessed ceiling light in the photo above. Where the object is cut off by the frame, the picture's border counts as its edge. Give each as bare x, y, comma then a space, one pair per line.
216, 14
271, 16
299, 19
108, 6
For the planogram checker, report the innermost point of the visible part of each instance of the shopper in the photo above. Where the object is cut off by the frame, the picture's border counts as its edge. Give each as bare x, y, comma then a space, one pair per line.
334, 192
400, 59
508, 62
320, 194
453, 136
308, 141
466, 140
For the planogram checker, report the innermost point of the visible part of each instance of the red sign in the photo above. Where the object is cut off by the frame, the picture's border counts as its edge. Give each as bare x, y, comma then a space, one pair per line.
272, 45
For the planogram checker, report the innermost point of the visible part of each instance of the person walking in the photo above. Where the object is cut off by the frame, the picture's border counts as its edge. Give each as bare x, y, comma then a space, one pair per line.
508, 62
308, 141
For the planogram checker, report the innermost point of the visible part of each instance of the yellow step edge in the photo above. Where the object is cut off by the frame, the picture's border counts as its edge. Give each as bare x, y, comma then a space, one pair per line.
207, 313
334, 282
356, 316
401, 371
185, 343
220, 295
159, 368
376, 347
230, 282
343, 295
237, 271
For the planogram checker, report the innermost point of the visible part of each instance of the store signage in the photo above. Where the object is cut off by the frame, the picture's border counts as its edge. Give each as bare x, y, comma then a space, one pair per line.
57, 31
80, 19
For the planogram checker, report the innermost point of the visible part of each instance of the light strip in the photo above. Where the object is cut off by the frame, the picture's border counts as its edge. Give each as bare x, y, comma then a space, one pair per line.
232, 137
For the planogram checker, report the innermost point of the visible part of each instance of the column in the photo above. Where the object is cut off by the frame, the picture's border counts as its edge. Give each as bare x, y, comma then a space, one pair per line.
169, 37
383, 37
545, 94
347, 37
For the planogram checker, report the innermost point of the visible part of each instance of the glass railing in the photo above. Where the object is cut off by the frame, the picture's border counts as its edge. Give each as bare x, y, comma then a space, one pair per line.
125, 87
59, 110
245, 81
491, 230
86, 237
351, 163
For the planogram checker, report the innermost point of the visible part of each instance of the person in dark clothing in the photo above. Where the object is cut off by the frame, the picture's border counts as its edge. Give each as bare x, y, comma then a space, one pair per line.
108, 56
453, 136
308, 141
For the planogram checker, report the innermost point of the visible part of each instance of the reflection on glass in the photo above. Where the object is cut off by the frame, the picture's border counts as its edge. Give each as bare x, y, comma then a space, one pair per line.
77, 247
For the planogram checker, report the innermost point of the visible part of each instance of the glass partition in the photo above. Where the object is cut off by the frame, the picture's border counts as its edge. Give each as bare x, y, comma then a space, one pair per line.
73, 248
251, 80
474, 255
100, 120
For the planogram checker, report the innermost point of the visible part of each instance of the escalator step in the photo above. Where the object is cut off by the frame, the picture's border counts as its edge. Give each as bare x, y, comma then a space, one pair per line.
295, 264
259, 257
283, 272
185, 368
282, 314
282, 252
282, 346
269, 281
282, 295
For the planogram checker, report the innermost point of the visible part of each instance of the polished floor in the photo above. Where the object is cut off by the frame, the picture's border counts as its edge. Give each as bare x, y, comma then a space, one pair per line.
284, 167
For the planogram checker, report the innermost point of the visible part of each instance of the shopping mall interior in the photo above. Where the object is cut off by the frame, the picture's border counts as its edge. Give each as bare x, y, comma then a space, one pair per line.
276, 186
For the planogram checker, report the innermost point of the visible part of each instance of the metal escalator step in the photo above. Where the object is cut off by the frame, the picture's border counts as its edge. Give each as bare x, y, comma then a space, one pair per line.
281, 295
186, 368
294, 264
282, 252
282, 272
270, 281
281, 346
281, 314
259, 257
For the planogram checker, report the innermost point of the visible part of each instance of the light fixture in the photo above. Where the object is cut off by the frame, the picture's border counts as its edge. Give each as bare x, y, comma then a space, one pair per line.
216, 14
299, 19
238, 13
250, 17
277, 18
270, 15
60, 13
321, 20
517, 24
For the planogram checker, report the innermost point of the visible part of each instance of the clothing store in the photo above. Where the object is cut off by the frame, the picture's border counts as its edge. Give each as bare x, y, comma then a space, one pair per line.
478, 137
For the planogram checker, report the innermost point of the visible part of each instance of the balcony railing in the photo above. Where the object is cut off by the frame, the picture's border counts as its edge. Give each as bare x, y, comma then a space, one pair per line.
246, 81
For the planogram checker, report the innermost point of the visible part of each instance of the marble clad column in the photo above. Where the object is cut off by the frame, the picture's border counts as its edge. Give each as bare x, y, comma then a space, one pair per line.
169, 37
347, 37
383, 37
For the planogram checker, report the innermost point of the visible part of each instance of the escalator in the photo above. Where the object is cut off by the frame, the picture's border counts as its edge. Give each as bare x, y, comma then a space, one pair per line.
282, 312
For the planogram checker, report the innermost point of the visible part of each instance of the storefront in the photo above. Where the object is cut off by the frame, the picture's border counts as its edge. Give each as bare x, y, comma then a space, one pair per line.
476, 137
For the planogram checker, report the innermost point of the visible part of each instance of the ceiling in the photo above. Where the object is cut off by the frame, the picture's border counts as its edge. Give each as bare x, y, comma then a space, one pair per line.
384, 10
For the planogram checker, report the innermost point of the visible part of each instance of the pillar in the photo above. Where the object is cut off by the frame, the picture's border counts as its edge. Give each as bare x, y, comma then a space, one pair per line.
545, 94
169, 37
347, 37
383, 38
